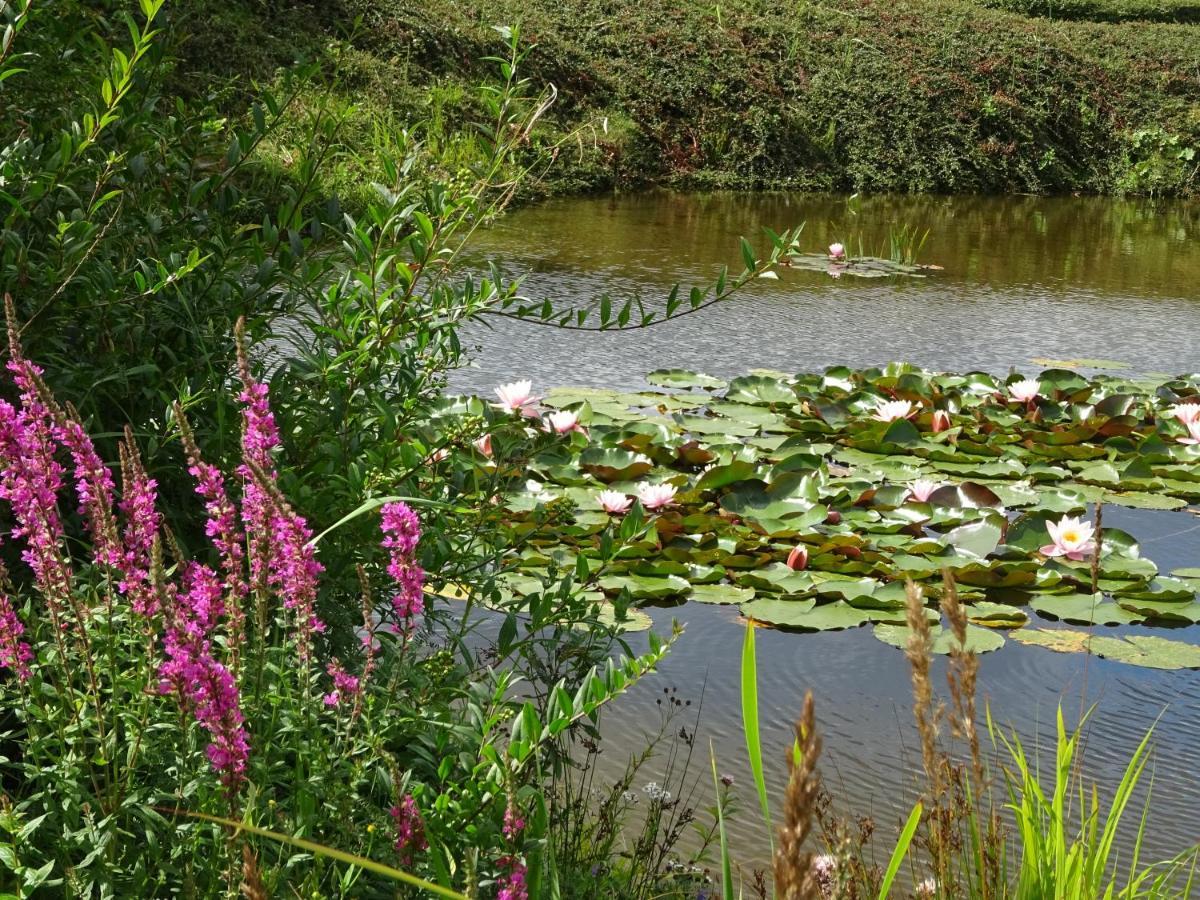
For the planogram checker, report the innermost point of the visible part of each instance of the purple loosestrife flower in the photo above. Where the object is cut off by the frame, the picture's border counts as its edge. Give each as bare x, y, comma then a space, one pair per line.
281, 557
222, 525
205, 688
513, 823
410, 829
401, 533
94, 487
30, 480
142, 521
511, 885
14, 653
344, 684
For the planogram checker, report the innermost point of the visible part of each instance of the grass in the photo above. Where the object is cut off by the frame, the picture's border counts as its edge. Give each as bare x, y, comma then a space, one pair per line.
924, 95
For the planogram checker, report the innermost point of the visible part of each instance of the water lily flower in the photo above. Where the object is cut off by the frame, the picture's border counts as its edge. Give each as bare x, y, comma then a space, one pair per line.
891, 410
563, 422
798, 559
837, 251
1193, 437
656, 496
1072, 537
614, 502
941, 420
1186, 413
920, 489
1025, 391
517, 397
484, 445
440, 455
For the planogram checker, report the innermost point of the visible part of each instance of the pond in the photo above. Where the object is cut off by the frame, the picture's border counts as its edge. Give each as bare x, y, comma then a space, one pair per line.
1027, 283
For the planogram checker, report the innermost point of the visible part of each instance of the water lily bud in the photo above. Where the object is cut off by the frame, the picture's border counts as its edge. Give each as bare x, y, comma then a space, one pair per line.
837, 251
833, 518
798, 558
941, 420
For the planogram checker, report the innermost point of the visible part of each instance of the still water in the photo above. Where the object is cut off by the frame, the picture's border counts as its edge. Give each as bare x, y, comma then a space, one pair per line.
1024, 279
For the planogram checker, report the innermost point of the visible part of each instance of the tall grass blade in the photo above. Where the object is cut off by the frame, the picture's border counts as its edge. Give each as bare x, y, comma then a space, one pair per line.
898, 854
750, 726
726, 868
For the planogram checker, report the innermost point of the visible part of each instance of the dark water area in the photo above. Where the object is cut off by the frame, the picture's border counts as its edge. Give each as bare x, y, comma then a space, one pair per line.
1024, 278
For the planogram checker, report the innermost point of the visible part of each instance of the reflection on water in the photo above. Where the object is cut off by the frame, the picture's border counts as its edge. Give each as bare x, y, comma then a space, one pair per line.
1024, 278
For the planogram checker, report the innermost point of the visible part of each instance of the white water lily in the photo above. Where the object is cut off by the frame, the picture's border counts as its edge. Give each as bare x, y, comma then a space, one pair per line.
1072, 537
920, 489
563, 422
517, 396
891, 410
1186, 413
656, 496
614, 502
1026, 390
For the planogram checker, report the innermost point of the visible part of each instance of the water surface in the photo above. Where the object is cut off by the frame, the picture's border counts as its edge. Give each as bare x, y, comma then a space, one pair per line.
1023, 278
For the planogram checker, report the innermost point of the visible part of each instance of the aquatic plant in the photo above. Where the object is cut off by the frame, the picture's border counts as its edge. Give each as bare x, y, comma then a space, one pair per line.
880, 475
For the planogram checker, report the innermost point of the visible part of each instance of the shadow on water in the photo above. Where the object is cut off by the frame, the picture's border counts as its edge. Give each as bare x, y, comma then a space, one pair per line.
1024, 278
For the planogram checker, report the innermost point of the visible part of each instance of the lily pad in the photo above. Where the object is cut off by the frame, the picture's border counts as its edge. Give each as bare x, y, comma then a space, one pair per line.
674, 378
1147, 651
721, 593
979, 640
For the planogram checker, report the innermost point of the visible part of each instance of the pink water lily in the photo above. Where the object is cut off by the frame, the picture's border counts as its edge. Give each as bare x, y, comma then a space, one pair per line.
484, 445
1025, 391
656, 496
837, 251
614, 502
798, 558
891, 410
563, 422
921, 489
941, 421
1072, 537
1193, 437
1186, 413
517, 396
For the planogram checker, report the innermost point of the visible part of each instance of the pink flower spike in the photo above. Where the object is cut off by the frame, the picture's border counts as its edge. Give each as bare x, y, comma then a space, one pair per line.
517, 397
798, 559
656, 496
14, 653
1072, 537
891, 410
1025, 391
614, 502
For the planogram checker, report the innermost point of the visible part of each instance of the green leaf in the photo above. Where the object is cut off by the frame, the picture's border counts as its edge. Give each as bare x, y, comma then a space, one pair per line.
979, 640
750, 725
900, 851
677, 378
721, 593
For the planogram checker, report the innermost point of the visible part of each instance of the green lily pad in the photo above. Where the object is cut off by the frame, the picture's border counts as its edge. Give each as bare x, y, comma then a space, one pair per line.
610, 465
721, 593
1083, 609
675, 378
979, 640
825, 617
647, 587
1147, 651
774, 611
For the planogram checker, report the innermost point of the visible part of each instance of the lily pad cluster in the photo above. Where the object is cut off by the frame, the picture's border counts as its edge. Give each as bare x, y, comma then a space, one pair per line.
866, 478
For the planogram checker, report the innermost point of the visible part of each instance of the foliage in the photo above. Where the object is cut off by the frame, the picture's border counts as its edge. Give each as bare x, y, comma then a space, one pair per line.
944, 96
123, 668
